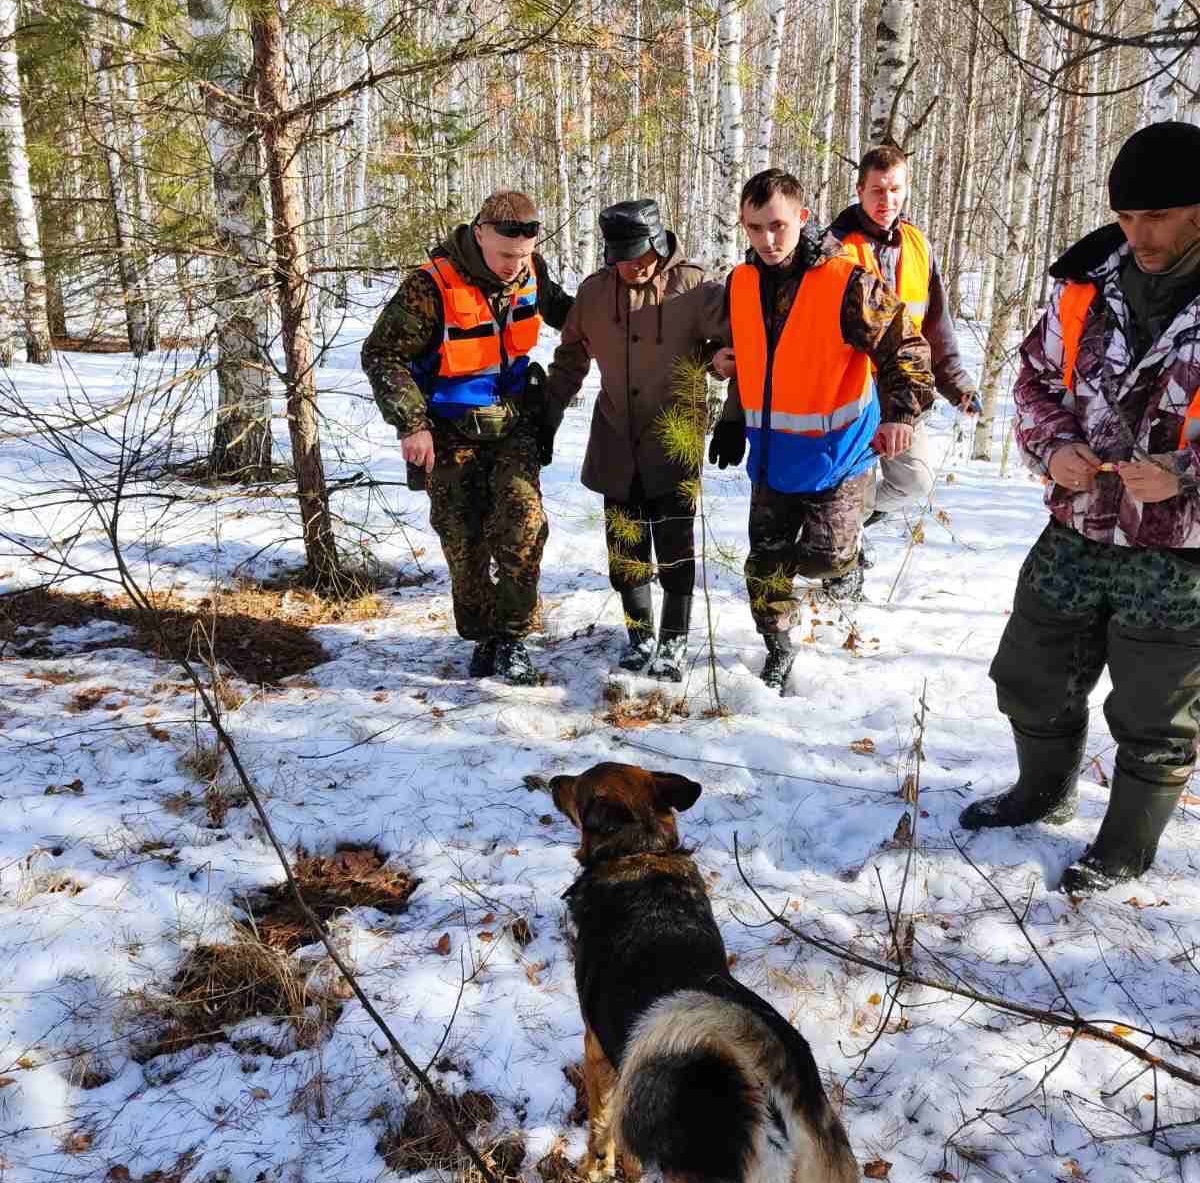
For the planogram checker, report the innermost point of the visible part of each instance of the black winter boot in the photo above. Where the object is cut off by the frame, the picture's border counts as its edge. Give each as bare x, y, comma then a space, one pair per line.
513, 662
848, 588
668, 659
638, 605
1138, 812
780, 657
1045, 790
483, 659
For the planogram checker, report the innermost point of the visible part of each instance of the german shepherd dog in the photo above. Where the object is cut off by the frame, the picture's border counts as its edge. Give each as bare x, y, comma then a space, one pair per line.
687, 1071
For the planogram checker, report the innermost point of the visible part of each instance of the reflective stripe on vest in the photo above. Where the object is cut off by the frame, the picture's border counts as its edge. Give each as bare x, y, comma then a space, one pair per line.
819, 384
1074, 304
912, 267
472, 342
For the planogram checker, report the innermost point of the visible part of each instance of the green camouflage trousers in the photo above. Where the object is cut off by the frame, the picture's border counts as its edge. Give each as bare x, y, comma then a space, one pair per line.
485, 502
1081, 605
809, 534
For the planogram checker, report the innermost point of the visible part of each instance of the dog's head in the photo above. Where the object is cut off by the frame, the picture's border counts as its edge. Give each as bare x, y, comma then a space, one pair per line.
622, 809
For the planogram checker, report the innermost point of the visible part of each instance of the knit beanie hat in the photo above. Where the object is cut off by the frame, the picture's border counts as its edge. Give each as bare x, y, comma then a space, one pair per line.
1157, 168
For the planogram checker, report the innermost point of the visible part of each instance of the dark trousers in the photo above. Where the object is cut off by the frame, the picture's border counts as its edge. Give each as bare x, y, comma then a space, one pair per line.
1081, 605
485, 502
646, 528
809, 534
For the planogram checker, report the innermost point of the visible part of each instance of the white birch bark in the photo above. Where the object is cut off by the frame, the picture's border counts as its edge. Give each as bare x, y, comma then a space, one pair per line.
241, 444
7, 352
455, 111
362, 140
694, 135
36, 322
770, 85
1164, 90
712, 144
733, 139
566, 264
1091, 153
133, 286
1008, 291
634, 147
960, 224
829, 85
893, 53
585, 195
854, 87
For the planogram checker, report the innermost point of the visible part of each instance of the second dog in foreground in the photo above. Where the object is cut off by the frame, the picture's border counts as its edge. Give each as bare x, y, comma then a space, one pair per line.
687, 1071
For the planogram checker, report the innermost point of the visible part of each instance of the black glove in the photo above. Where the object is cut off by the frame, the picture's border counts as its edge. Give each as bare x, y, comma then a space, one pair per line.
728, 444
545, 440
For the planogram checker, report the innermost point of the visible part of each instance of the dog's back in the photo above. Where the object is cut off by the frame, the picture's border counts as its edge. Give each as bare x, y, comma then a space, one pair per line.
720, 1086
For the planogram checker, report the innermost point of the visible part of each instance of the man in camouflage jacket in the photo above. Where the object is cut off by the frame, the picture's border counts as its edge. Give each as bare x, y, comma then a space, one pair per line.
1108, 406
482, 462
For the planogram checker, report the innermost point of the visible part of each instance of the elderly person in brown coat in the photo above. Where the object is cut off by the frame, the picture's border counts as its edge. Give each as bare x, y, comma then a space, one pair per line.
638, 317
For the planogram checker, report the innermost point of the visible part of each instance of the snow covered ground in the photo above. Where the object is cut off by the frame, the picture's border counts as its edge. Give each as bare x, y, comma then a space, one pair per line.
108, 877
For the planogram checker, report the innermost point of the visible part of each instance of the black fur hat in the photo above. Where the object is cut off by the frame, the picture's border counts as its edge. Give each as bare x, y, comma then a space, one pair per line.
630, 229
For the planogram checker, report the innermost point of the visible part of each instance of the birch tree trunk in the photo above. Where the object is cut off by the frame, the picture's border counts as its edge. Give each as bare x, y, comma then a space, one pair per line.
133, 285
712, 145
854, 88
1093, 199
965, 188
282, 156
566, 264
770, 85
732, 131
694, 174
634, 147
1164, 91
893, 52
1008, 280
829, 84
36, 322
7, 353
585, 205
241, 444
456, 103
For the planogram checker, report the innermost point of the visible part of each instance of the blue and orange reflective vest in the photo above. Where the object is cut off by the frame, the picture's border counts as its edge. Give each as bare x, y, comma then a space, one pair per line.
809, 401
912, 267
1074, 304
480, 362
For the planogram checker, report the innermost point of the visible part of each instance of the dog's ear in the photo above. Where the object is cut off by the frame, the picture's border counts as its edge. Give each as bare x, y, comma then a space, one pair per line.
676, 791
562, 789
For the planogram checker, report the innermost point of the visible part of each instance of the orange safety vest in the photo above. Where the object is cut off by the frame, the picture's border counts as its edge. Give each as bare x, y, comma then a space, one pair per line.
1074, 304
472, 341
912, 268
818, 383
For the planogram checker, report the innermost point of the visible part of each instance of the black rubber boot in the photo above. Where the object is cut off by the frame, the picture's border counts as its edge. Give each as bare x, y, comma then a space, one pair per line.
780, 657
1138, 812
483, 659
848, 588
668, 659
514, 664
638, 605
1045, 790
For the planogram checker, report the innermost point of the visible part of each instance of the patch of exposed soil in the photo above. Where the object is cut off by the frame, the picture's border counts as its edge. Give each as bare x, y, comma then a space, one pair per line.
353, 877
262, 636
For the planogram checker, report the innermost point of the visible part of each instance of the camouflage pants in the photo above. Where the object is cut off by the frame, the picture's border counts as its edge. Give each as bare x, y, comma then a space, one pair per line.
1081, 605
485, 502
809, 534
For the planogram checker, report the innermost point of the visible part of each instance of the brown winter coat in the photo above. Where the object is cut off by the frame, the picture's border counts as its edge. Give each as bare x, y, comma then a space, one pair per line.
636, 335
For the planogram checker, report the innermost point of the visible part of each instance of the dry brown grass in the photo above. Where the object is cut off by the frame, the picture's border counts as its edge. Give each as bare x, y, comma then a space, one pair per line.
221, 985
424, 1140
353, 877
629, 711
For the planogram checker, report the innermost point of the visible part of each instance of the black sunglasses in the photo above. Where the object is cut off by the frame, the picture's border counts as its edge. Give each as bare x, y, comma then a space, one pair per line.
510, 229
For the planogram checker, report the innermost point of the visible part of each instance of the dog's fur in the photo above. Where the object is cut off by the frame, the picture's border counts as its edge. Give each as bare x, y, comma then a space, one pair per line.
686, 1070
